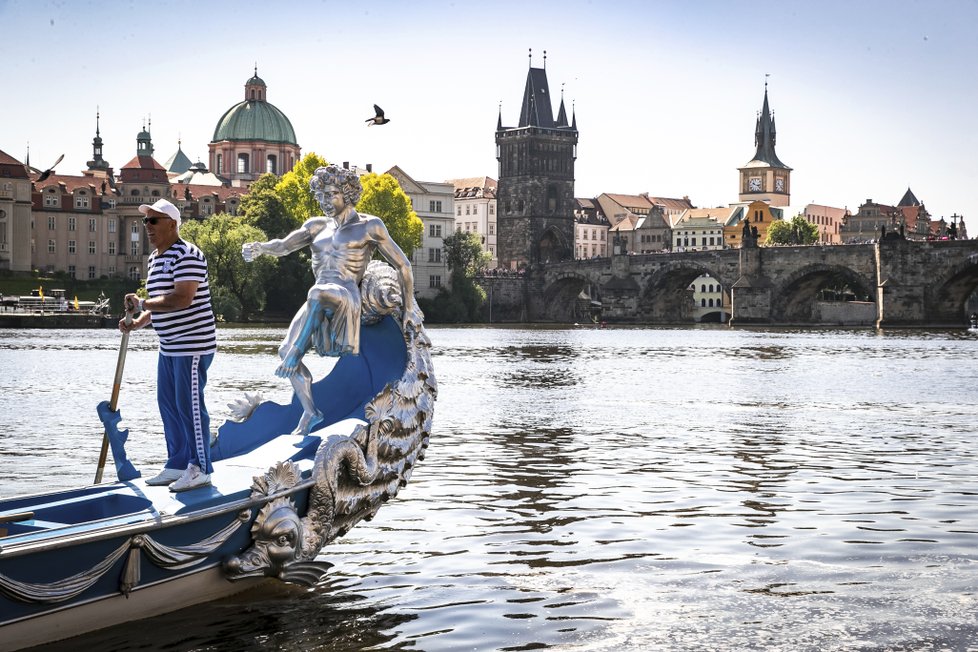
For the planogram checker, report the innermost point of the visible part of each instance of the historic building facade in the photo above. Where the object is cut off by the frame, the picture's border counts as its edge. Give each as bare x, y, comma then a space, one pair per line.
536, 179
432, 201
475, 212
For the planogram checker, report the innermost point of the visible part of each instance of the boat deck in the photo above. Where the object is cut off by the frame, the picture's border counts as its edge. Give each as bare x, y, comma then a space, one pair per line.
109, 507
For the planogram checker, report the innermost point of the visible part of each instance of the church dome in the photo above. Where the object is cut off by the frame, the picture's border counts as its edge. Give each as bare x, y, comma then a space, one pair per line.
255, 118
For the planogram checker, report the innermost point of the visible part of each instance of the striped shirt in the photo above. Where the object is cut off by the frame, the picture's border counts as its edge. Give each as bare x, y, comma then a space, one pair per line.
189, 331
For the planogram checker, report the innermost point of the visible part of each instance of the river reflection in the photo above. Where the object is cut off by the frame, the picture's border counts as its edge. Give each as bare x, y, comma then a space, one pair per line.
594, 489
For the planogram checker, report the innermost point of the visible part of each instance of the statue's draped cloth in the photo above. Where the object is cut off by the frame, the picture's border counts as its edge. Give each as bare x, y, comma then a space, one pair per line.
340, 334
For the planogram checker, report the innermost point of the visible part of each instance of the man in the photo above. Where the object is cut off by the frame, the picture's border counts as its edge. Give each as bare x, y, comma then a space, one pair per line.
179, 307
342, 243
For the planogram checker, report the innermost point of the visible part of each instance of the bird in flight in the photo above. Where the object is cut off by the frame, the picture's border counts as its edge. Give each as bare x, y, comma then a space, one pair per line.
49, 171
378, 119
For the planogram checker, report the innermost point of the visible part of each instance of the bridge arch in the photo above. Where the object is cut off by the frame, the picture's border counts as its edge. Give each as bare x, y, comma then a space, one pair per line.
568, 298
949, 294
794, 300
667, 297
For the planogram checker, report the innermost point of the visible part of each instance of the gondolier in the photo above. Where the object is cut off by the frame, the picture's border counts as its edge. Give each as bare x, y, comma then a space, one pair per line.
179, 308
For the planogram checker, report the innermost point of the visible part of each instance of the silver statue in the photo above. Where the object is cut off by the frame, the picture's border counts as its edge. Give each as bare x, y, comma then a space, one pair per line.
342, 243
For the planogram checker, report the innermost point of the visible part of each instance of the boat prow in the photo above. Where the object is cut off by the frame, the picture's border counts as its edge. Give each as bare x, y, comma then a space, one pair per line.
82, 559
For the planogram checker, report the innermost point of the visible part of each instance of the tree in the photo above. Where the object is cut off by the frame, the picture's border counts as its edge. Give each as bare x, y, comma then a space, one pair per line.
220, 238
463, 303
382, 196
464, 254
293, 189
797, 231
263, 208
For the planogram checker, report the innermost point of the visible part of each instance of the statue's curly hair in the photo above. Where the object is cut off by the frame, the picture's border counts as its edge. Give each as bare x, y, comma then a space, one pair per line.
346, 180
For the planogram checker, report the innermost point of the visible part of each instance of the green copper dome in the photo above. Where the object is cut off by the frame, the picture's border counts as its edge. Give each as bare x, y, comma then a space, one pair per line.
255, 120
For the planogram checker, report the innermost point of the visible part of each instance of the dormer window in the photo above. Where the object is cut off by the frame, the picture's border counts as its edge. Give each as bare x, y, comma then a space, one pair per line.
81, 199
51, 198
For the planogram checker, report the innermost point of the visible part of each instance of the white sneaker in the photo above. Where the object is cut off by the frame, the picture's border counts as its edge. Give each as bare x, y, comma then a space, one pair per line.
191, 479
164, 477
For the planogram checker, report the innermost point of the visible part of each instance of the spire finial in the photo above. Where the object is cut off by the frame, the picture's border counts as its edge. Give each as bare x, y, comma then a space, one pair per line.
766, 75
544, 59
256, 69
531, 57
561, 91
96, 119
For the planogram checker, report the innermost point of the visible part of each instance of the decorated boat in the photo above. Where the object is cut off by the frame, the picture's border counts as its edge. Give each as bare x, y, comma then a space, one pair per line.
86, 558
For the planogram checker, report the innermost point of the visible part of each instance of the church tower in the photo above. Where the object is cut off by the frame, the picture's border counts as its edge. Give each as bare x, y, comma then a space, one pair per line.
765, 177
535, 192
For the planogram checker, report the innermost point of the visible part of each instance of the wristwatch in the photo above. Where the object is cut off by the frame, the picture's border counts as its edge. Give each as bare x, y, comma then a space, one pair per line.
142, 305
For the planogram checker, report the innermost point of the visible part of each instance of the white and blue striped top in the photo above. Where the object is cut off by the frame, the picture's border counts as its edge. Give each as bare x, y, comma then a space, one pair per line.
189, 331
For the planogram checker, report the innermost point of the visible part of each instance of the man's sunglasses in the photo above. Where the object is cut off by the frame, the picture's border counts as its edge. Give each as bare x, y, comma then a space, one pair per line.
153, 220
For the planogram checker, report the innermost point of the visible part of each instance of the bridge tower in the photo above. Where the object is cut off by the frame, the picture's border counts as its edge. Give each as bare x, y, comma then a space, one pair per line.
765, 177
535, 193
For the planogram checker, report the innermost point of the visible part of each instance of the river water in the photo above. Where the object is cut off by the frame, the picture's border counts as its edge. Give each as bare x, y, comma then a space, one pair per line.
593, 489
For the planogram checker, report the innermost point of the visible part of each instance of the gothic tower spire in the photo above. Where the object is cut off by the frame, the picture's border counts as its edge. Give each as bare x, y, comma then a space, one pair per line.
765, 177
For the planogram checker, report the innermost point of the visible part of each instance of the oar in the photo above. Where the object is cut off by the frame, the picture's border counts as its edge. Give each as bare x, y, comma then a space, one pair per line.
114, 401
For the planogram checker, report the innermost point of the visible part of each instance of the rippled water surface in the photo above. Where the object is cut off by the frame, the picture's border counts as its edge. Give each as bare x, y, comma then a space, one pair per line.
616, 489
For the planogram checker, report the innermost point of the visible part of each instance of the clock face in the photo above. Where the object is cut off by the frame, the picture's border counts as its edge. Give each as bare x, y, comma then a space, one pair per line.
779, 184
754, 184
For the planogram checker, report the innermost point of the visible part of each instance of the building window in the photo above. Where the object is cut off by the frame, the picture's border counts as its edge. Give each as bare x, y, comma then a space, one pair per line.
51, 198
434, 206
155, 193
242, 163
271, 164
51, 223
111, 226
220, 164
134, 272
468, 210
434, 281
91, 225
434, 255
52, 246
81, 199
492, 229
434, 230
492, 209
71, 223
134, 248
91, 247
91, 271
71, 246
475, 209
111, 247
71, 271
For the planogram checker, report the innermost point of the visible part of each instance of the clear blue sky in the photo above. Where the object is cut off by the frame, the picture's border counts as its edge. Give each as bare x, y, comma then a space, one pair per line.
870, 97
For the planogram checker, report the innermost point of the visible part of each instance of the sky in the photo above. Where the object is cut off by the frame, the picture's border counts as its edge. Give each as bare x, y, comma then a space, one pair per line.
870, 97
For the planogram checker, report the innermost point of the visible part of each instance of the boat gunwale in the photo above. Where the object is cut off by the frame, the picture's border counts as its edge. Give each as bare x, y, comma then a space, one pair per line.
59, 540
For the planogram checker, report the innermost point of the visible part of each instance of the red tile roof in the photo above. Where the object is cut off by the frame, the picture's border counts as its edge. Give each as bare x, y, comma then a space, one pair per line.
143, 163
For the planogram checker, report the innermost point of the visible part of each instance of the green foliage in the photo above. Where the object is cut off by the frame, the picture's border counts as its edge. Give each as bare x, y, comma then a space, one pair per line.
293, 189
464, 254
797, 231
263, 209
382, 196
220, 238
226, 306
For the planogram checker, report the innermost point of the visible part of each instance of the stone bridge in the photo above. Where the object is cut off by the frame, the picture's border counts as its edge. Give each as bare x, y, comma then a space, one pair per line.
903, 283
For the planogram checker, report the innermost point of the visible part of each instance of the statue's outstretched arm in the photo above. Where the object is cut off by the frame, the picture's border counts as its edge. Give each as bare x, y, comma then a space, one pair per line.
294, 241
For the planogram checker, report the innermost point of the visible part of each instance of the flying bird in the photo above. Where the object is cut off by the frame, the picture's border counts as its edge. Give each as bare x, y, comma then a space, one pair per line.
49, 171
378, 119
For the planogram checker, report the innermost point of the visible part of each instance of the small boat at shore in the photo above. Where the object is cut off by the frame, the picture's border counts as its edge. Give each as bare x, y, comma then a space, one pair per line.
85, 558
